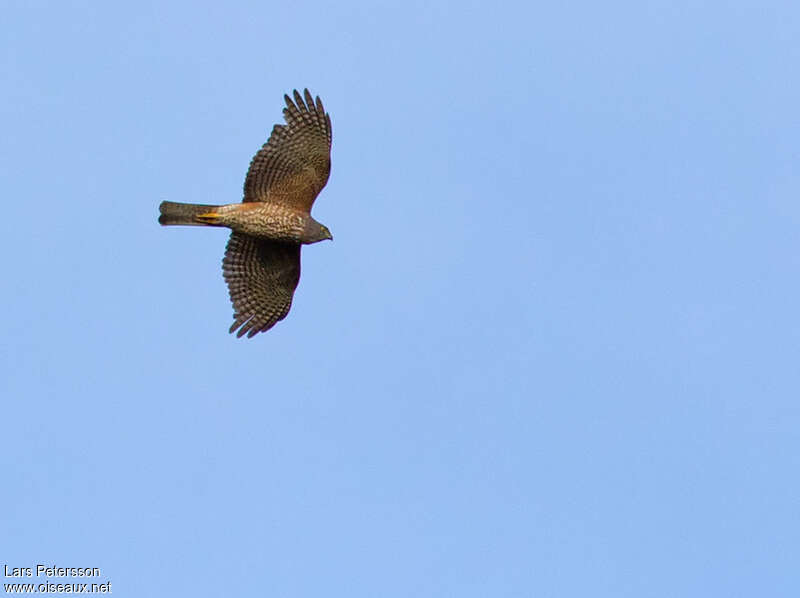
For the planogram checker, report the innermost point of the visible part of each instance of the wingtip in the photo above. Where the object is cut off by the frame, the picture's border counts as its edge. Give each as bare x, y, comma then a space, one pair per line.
298, 99
304, 102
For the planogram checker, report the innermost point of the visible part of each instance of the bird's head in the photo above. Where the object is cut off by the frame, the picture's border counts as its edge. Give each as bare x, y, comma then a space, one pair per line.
315, 232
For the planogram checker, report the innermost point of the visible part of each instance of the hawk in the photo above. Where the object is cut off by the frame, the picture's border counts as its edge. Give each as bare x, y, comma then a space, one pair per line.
262, 259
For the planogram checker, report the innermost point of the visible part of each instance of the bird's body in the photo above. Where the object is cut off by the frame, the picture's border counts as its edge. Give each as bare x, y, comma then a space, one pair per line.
257, 219
262, 259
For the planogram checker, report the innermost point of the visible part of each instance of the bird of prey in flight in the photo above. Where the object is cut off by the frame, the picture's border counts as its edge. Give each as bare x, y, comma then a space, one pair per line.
262, 259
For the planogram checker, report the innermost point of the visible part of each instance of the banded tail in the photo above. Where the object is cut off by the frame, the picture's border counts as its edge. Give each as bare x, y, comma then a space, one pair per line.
191, 214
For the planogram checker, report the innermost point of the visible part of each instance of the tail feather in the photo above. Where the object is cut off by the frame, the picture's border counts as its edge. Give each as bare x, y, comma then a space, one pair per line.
184, 213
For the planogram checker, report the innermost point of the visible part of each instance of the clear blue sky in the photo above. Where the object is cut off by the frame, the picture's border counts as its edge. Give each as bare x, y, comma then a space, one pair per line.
552, 351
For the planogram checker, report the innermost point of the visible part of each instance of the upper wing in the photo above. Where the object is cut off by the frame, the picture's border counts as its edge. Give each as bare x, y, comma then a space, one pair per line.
262, 276
293, 165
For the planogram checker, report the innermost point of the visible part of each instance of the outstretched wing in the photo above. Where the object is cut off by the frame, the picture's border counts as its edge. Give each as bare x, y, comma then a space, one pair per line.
293, 165
261, 276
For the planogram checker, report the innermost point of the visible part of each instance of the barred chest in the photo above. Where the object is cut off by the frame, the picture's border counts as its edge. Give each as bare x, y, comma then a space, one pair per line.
267, 220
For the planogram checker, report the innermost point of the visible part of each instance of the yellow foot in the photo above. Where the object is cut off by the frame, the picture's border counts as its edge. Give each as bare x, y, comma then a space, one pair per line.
209, 217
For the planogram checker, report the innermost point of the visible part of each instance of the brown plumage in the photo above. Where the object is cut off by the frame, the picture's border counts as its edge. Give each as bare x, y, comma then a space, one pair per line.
262, 260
